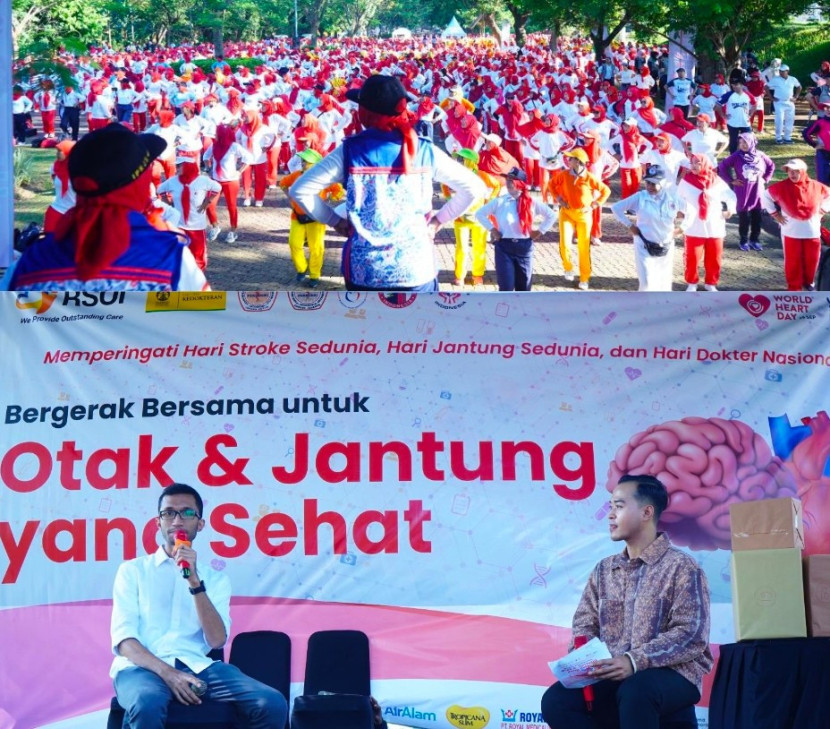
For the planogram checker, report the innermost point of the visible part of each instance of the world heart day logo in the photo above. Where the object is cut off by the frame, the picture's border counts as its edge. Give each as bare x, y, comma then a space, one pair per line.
755, 305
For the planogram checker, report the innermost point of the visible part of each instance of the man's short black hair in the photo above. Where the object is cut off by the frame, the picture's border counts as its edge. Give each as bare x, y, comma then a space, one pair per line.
650, 490
182, 488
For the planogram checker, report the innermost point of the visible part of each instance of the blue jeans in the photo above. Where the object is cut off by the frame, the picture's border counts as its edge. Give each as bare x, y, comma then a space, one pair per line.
514, 263
145, 697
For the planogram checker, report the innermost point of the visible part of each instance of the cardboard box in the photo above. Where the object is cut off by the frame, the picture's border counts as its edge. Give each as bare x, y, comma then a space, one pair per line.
817, 594
768, 594
767, 524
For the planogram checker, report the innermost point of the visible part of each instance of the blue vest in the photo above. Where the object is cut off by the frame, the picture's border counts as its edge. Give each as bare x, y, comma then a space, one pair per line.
153, 262
391, 246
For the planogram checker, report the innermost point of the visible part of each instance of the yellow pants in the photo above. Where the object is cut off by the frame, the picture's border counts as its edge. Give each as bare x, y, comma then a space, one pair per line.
478, 239
315, 234
570, 222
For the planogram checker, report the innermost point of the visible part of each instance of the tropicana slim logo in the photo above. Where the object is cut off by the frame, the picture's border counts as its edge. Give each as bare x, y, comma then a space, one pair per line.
39, 301
475, 717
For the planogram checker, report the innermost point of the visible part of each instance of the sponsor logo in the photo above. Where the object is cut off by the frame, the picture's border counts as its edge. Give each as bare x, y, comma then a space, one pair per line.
474, 717
352, 299
397, 300
522, 718
410, 712
256, 301
307, 300
186, 301
40, 302
508, 716
450, 300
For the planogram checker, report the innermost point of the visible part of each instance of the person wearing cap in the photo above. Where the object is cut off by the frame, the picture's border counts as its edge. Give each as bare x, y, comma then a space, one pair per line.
679, 92
705, 139
709, 203
191, 193
747, 172
659, 215
798, 204
304, 229
627, 147
388, 172
466, 227
106, 242
784, 90
817, 135
511, 221
64, 194
578, 193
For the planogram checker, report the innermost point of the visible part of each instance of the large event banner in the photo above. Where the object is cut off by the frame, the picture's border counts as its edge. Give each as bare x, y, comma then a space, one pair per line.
431, 469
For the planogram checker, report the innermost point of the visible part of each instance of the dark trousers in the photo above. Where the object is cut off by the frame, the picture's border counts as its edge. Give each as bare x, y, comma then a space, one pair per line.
636, 703
425, 129
19, 126
749, 222
733, 137
71, 119
514, 263
823, 166
684, 109
124, 112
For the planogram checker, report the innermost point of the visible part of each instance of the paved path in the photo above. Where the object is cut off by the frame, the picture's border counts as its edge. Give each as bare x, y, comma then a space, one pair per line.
260, 258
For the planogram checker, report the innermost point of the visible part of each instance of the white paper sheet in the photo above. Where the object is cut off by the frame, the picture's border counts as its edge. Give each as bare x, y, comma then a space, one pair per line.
572, 669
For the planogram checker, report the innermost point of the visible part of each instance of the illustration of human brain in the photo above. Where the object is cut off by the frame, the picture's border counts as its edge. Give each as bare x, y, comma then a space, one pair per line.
706, 464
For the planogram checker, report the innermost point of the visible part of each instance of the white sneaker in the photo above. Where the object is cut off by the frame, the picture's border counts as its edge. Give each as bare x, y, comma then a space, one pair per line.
691, 287
230, 237
583, 286
246, 203
213, 233
710, 287
570, 276
258, 204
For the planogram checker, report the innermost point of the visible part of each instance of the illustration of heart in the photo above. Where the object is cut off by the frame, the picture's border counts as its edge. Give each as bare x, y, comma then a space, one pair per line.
632, 373
755, 305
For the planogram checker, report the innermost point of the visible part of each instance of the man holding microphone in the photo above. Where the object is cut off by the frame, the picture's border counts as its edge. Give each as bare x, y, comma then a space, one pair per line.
168, 611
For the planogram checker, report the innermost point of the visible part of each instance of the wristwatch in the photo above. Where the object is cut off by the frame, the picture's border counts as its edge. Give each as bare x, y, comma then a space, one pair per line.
200, 588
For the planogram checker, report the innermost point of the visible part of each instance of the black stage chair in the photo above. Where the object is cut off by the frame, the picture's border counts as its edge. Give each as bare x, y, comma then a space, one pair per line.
336, 689
262, 654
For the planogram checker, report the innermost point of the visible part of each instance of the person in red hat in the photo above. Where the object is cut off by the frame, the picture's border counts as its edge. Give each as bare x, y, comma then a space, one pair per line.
191, 193
64, 194
106, 242
388, 172
798, 204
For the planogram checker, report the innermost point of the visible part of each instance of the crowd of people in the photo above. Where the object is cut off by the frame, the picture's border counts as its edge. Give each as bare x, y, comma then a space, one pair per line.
520, 140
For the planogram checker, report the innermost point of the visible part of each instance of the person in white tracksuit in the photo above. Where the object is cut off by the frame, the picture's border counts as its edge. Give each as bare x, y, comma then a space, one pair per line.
784, 90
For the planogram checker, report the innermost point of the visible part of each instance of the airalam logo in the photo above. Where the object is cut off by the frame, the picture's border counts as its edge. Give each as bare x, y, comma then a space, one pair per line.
257, 301
410, 712
352, 299
39, 301
462, 717
397, 300
307, 300
450, 300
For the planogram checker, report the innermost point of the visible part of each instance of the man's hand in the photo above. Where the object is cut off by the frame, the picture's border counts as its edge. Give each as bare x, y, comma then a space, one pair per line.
612, 669
179, 683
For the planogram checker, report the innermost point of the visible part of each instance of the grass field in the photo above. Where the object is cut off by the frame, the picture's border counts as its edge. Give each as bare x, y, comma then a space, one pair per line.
38, 192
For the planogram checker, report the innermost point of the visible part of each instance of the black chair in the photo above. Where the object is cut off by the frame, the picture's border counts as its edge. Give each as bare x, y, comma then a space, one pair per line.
263, 654
336, 688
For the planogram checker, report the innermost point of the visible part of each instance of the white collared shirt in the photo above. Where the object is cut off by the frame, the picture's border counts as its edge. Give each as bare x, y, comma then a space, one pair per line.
152, 603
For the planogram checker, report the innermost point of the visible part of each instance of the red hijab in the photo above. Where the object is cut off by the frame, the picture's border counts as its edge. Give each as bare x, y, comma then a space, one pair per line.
399, 123
251, 125
631, 141
703, 180
525, 207
677, 126
225, 136
61, 167
189, 172
800, 200
647, 112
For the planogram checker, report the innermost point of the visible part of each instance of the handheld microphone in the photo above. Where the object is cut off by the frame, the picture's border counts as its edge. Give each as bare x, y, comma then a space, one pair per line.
182, 541
587, 691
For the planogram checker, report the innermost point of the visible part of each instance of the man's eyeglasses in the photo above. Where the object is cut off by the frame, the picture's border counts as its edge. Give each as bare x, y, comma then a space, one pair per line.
185, 514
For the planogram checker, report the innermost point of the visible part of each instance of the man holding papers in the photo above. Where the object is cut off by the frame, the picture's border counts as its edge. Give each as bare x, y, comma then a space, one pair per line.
650, 606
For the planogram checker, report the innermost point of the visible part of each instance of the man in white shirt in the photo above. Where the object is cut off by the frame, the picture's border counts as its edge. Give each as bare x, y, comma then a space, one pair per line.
784, 89
679, 90
737, 107
163, 626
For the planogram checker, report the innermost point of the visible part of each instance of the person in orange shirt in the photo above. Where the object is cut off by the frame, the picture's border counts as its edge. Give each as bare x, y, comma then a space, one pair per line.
304, 229
578, 193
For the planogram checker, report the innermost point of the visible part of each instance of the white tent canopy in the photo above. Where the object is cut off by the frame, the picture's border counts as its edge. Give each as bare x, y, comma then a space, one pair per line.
453, 30
401, 34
